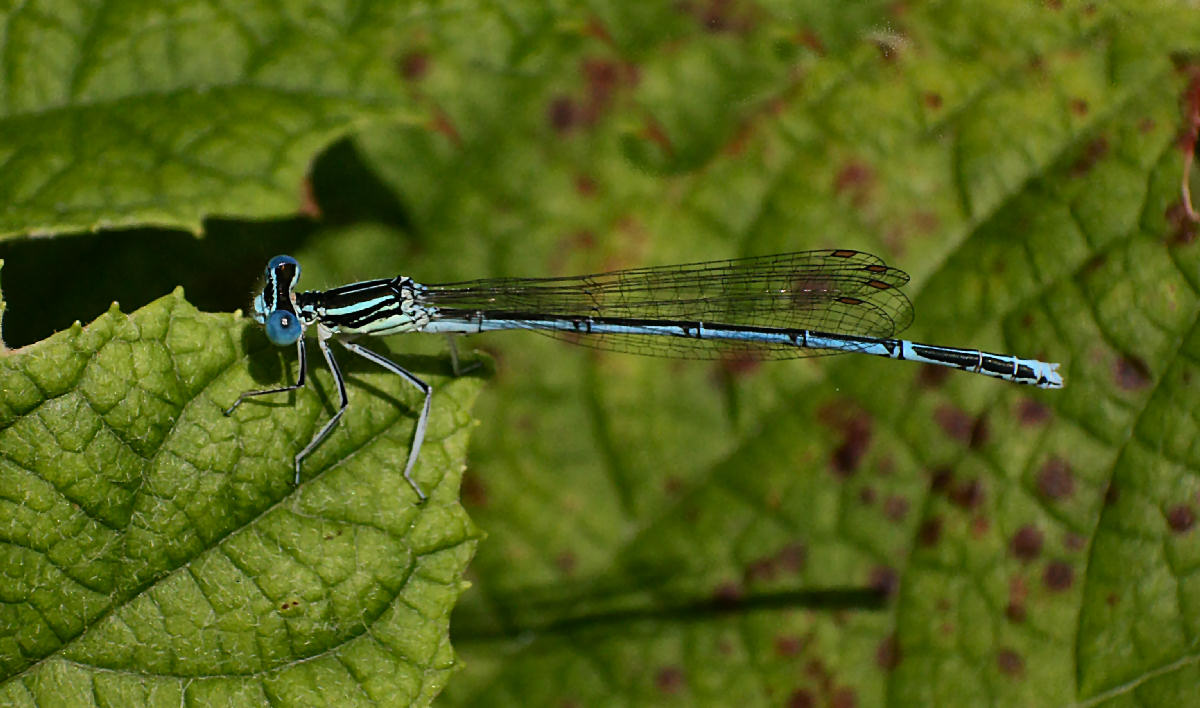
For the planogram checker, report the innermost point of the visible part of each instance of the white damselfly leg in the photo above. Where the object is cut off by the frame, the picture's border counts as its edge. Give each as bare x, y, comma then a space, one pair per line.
422, 419
455, 364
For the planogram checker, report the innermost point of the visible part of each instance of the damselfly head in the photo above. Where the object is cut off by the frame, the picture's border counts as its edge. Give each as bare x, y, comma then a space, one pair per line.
283, 271
275, 307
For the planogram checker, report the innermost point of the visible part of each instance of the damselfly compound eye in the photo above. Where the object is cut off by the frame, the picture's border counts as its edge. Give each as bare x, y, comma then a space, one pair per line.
283, 328
281, 260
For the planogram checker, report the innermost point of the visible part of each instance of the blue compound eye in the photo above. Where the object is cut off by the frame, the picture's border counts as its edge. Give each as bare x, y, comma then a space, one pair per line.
281, 260
283, 328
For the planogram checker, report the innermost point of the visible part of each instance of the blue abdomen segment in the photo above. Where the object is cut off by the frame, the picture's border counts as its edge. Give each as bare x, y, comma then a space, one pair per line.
654, 337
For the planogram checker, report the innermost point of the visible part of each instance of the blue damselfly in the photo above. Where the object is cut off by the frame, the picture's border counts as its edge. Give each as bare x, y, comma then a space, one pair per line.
782, 306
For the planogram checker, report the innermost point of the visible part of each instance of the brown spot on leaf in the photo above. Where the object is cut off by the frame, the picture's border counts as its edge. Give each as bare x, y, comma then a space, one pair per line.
585, 186
595, 28
954, 422
884, 580
1183, 227
1095, 263
843, 698
1059, 576
654, 132
1131, 373
1074, 541
801, 698
816, 670
788, 646
889, 48
791, 557
867, 496
926, 221
474, 492
721, 15
887, 654
414, 66
1079, 106
1111, 494
563, 114
761, 570
1017, 594
1032, 412
932, 99
967, 494
895, 508
442, 124
1181, 518
980, 432
810, 39
932, 377
603, 79
728, 595
669, 679
855, 428
855, 179
1092, 153
940, 480
1027, 543
1010, 663
566, 562
739, 364
1055, 480
930, 531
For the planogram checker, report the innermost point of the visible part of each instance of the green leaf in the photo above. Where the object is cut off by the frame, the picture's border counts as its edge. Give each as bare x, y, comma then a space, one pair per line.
154, 550
133, 113
827, 531
2, 306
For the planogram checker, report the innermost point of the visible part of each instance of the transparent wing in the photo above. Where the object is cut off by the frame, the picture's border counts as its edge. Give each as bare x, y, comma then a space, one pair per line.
834, 291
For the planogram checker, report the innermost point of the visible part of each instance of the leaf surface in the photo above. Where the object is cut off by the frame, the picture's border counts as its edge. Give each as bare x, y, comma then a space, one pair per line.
154, 550
125, 113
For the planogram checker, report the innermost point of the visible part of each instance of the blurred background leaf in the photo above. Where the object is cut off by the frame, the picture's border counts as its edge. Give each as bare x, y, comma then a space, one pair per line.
129, 113
822, 532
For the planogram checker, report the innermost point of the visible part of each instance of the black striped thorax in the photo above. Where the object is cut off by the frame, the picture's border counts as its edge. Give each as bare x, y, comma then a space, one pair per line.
362, 306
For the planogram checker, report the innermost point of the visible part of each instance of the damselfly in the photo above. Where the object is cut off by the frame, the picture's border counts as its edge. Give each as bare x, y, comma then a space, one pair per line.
783, 306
